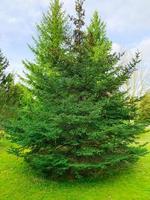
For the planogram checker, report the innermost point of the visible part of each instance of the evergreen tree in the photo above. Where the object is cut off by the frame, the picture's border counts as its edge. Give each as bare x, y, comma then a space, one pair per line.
9, 92
77, 121
5, 83
5, 79
3, 66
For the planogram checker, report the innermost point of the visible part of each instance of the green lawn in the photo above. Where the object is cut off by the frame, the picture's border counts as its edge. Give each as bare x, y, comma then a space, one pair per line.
17, 182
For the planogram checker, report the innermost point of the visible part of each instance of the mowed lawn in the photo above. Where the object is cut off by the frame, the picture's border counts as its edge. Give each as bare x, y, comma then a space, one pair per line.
17, 182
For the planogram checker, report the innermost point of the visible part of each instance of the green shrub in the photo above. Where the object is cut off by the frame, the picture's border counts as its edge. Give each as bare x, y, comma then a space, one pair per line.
144, 107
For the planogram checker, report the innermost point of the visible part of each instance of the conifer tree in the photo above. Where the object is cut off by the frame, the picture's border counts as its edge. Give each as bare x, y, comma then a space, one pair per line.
6, 80
77, 121
4, 64
10, 92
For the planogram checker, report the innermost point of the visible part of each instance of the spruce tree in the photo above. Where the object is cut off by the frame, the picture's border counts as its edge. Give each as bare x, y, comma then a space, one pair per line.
77, 121
10, 93
4, 78
5, 83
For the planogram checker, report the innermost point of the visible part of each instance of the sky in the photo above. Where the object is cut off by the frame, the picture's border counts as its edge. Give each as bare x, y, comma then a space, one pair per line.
128, 26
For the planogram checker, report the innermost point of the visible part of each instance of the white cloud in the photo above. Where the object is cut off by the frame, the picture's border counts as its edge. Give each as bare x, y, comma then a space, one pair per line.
144, 47
128, 15
117, 47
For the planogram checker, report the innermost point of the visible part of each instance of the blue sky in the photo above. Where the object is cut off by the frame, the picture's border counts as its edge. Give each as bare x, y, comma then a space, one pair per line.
128, 26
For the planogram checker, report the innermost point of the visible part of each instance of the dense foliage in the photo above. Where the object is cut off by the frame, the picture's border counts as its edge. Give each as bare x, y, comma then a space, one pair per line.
76, 121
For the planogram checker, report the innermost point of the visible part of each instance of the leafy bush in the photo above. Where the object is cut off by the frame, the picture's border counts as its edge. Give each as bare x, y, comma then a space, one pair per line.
144, 107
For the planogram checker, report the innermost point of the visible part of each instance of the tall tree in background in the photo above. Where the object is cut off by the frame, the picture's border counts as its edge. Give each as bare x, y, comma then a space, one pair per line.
9, 92
5, 84
5, 78
78, 122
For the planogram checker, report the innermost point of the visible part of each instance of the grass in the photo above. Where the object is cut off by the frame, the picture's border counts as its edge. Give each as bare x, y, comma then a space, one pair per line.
17, 182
